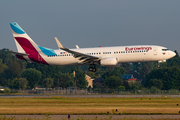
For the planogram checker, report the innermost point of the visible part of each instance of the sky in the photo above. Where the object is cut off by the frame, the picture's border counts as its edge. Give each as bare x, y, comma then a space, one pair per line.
90, 23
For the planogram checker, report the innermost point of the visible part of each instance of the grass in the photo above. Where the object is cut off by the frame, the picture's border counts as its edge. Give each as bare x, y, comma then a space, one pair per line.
64, 105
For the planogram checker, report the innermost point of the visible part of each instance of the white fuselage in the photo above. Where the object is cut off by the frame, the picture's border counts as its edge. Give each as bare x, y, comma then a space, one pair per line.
141, 53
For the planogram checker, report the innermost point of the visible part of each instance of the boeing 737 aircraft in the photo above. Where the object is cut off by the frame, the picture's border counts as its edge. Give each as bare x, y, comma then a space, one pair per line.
105, 56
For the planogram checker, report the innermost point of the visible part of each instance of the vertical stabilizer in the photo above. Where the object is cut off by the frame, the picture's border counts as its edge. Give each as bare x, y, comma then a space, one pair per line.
23, 42
26, 45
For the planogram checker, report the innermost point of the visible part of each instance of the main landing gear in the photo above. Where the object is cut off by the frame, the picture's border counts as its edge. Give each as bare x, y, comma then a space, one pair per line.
92, 68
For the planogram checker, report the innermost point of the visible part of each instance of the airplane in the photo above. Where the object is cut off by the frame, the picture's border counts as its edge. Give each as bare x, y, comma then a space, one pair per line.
29, 51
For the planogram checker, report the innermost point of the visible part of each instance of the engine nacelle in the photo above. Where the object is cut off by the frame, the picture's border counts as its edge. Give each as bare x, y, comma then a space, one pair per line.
109, 61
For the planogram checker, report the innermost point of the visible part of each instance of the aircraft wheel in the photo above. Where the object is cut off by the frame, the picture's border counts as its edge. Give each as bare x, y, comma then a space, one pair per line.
90, 69
94, 70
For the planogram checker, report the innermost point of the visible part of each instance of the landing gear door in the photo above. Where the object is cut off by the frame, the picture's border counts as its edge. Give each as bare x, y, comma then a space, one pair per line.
155, 50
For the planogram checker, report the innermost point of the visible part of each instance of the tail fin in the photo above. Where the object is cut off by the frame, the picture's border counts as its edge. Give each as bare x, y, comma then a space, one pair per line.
23, 42
25, 45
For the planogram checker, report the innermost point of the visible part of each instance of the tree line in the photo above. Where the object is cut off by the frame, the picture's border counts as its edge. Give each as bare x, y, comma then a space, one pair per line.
18, 74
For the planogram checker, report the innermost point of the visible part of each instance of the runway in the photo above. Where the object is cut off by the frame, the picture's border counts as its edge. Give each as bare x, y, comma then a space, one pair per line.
95, 96
96, 117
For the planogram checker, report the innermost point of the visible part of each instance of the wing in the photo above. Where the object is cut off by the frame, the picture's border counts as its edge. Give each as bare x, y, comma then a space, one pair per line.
83, 58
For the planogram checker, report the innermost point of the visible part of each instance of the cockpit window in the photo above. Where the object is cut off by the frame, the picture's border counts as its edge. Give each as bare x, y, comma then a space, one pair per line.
165, 49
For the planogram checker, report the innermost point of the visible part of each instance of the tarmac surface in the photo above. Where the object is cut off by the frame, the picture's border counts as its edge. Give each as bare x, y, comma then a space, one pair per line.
95, 96
96, 117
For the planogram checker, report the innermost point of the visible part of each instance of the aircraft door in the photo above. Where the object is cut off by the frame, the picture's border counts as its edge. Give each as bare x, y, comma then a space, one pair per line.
155, 50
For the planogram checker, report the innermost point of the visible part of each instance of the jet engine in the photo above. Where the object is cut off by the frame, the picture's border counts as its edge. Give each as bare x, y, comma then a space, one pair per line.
109, 61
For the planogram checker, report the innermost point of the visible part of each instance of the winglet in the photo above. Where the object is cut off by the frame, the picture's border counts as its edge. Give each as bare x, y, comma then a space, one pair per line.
77, 46
59, 44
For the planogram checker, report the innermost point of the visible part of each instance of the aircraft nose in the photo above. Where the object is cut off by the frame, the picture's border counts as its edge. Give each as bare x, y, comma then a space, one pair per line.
173, 53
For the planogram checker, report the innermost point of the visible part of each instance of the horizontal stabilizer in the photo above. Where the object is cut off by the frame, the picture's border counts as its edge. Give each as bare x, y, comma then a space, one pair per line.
17, 53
